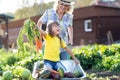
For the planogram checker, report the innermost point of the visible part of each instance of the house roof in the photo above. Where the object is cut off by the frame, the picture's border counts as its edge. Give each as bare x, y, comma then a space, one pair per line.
96, 10
4, 17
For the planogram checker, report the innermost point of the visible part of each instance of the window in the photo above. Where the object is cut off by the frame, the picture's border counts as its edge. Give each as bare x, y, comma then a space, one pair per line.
88, 25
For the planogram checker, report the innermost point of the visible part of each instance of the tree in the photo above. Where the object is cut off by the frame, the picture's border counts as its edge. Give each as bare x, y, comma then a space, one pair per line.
36, 9
82, 3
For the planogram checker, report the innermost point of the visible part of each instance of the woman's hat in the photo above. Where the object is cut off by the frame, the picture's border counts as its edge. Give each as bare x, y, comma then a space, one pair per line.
67, 2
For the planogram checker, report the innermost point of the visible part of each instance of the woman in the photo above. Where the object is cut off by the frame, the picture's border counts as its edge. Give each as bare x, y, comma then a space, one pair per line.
61, 14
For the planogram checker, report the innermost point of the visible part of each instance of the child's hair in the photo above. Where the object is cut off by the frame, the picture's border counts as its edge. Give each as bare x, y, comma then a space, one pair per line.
49, 29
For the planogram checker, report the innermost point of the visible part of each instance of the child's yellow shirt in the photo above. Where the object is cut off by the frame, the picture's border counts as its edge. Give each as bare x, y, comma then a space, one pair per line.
52, 48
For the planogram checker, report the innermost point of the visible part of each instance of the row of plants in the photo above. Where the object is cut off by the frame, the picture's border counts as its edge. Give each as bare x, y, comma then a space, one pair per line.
18, 63
92, 57
99, 57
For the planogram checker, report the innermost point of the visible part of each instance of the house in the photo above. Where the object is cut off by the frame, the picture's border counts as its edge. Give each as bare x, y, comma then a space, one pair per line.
92, 24
96, 24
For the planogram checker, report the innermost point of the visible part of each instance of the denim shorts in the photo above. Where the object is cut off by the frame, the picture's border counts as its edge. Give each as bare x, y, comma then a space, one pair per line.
53, 65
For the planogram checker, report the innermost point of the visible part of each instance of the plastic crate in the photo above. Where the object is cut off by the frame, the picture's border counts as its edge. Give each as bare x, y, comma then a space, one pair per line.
69, 65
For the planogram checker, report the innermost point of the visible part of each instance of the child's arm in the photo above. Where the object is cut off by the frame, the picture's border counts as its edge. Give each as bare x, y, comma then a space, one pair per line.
71, 54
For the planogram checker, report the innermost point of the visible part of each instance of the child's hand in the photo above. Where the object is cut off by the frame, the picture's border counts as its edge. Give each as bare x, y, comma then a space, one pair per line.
77, 61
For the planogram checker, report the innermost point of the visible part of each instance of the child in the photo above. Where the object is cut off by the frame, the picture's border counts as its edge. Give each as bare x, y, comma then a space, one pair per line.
53, 43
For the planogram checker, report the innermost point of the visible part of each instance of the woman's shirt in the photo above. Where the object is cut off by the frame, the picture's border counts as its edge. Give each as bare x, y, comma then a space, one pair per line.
52, 48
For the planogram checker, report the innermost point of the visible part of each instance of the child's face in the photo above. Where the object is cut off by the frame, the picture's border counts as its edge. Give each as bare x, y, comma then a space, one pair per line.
56, 29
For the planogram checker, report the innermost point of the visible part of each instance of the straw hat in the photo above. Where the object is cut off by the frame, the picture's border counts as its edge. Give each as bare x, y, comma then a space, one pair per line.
67, 2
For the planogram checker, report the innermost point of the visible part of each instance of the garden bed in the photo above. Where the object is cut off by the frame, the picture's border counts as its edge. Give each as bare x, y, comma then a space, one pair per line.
103, 75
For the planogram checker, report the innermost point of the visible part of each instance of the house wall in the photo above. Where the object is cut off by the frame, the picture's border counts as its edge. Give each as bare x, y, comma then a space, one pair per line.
100, 28
80, 34
109, 24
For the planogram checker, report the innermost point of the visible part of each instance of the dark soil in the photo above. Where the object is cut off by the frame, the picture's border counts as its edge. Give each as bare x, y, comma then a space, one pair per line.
105, 74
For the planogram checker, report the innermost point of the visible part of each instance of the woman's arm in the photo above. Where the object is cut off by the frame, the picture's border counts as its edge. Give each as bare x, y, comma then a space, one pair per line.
70, 29
70, 32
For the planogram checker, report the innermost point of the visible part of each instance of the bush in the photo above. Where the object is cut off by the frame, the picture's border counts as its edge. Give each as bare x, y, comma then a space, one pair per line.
99, 57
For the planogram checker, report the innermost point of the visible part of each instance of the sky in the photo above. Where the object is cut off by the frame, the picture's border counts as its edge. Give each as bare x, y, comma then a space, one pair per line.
13, 5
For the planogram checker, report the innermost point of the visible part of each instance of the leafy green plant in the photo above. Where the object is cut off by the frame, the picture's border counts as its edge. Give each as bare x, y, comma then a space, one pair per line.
7, 75
28, 31
1, 68
99, 57
28, 62
12, 59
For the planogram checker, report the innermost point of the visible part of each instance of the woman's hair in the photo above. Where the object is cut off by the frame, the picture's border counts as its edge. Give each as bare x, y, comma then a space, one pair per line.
70, 7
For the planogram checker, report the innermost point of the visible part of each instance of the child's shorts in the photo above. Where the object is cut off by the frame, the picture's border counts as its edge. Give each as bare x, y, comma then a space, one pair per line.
53, 65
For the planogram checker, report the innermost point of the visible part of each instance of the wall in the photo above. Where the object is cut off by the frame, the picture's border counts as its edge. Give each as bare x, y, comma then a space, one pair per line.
106, 24
80, 34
